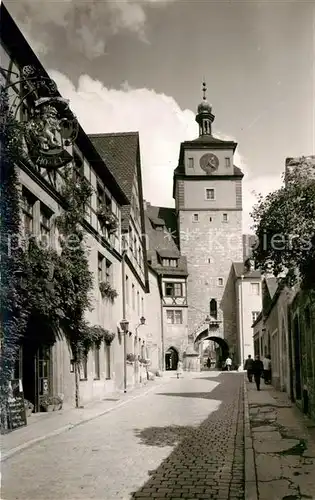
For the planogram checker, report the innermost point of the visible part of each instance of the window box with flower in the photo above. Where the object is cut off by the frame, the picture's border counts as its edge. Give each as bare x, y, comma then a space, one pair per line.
107, 291
107, 219
50, 403
141, 360
108, 337
130, 357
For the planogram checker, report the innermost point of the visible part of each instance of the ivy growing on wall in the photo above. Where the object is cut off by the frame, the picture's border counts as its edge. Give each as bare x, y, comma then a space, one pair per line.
14, 308
45, 293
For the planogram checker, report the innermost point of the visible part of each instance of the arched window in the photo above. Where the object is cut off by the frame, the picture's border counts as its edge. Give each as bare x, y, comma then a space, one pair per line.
213, 308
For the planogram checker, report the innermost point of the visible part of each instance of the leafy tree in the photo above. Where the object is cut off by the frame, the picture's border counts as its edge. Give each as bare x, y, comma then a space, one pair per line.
73, 278
14, 310
284, 224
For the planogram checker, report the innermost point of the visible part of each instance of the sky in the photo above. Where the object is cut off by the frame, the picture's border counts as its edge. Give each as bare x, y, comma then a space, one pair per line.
128, 65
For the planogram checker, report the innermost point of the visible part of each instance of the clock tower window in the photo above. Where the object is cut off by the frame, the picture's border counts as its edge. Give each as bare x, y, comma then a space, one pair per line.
210, 194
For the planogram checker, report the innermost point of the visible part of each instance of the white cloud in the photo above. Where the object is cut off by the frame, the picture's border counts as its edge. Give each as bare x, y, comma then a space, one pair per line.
253, 187
87, 25
162, 126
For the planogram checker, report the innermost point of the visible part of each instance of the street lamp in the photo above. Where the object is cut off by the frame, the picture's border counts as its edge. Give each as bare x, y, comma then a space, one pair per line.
124, 325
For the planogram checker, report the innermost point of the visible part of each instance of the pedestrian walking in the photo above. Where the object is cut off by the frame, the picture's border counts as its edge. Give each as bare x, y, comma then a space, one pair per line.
249, 368
228, 363
179, 370
208, 363
267, 369
257, 370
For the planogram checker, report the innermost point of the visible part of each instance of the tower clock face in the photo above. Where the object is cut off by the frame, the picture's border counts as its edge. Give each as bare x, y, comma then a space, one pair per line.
209, 163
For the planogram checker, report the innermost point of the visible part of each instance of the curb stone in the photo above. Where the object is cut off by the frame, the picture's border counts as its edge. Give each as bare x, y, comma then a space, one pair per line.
68, 427
251, 488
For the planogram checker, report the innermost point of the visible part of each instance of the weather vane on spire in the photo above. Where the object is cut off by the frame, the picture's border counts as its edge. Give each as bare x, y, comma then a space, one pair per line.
204, 90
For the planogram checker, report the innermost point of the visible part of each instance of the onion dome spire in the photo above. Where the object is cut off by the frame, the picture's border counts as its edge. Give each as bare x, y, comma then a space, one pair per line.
204, 115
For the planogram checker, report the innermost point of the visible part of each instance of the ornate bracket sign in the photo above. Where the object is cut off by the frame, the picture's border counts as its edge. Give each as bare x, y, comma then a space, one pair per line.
49, 131
51, 127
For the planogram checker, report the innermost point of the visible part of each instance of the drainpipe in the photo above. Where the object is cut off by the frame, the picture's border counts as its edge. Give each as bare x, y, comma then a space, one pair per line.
290, 353
242, 323
162, 327
124, 315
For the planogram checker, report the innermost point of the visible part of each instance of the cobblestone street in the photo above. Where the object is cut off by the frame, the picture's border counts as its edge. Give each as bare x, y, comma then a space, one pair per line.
182, 440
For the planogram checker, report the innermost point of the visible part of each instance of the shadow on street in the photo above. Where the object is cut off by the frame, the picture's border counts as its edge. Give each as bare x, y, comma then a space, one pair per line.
208, 460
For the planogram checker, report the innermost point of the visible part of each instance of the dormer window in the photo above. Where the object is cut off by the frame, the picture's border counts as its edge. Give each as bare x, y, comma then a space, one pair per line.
170, 262
157, 223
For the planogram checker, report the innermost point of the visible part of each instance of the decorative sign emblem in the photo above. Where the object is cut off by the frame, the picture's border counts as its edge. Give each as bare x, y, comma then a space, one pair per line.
49, 131
51, 127
209, 163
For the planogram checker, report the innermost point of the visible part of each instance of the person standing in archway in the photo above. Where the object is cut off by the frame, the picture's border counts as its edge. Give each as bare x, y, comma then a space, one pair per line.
228, 363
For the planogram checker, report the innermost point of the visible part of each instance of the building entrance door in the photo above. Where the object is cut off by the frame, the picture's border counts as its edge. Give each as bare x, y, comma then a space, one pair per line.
36, 374
171, 359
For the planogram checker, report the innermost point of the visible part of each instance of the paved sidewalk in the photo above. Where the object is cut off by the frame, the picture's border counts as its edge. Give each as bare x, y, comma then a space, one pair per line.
279, 447
43, 425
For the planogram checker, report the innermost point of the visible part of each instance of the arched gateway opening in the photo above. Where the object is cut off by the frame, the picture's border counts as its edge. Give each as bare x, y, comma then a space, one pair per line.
221, 351
171, 359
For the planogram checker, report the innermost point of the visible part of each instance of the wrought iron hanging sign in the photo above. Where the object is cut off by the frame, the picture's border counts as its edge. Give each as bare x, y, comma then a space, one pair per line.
51, 127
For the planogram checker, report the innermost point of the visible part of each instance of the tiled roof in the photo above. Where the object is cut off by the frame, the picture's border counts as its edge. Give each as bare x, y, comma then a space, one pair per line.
241, 270
168, 253
163, 242
272, 285
119, 152
209, 139
157, 221
237, 170
125, 216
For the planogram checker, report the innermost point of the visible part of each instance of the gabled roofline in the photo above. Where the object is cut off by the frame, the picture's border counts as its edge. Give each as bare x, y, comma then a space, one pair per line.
258, 319
115, 134
142, 215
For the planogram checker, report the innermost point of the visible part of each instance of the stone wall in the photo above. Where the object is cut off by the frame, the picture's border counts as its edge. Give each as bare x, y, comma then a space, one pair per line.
303, 350
210, 247
228, 305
